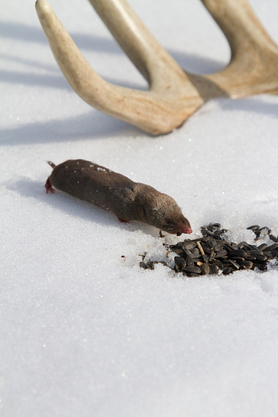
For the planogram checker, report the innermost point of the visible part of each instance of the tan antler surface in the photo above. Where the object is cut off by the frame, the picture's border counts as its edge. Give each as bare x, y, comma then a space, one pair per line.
173, 94
253, 68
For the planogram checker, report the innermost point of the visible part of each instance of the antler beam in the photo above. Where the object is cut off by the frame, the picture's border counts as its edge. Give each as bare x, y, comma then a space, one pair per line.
173, 94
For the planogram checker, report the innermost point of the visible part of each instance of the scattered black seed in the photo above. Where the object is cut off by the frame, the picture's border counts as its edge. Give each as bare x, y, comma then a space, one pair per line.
253, 228
250, 257
262, 246
214, 227
147, 265
205, 258
237, 254
207, 249
219, 263
180, 262
262, 266
227, 271
189, 245
195, 253
213, 269
178, 251
268, 255
245, 264
218, 246
265, 230
261, 258
260, 232
222, 253
191, 274
271, 247
212, 253
205, 268
242, 245
193, 269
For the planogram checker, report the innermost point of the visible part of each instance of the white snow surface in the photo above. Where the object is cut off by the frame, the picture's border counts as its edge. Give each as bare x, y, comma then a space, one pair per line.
84, 330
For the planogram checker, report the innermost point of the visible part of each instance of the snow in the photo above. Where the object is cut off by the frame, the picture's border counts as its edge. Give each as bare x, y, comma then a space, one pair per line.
84, 330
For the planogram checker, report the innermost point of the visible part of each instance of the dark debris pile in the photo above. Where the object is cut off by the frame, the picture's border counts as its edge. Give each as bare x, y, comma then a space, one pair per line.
212, 253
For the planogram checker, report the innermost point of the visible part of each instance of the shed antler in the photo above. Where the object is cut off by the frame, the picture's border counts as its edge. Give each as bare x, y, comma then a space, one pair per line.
173, 94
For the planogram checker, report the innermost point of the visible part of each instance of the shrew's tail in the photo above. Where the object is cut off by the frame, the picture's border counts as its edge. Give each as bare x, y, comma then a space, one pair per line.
51, 164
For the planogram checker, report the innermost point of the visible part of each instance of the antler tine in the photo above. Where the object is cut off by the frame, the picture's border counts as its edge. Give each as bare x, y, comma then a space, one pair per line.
150, 58
171, 99
253, 68
173, 94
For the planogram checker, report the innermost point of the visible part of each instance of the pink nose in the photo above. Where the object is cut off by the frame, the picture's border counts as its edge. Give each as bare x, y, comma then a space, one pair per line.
184, 229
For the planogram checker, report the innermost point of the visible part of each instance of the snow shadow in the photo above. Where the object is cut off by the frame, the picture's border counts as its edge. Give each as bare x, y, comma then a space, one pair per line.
89, 126
197, 64
53, 81
253, 104
34, 34
24, 32
86, 42
94, 124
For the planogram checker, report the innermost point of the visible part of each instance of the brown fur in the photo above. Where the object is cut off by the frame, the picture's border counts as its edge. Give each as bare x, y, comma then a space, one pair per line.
114, 192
